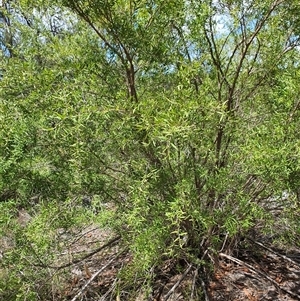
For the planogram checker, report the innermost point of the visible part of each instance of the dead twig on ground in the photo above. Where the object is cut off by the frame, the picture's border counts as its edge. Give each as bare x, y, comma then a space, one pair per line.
108, 244
96, 274
277, 254
254, 270
80, 235
112, 287
204, 289
171, 291
194, 284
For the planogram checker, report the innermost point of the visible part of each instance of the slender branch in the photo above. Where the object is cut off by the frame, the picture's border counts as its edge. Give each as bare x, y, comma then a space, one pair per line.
180, 33
217, 55
243, 26
258, 27
225, 41
130, 70
109, 243
171, 291
255, 56
213, 52
224, 152
86, 18
219, 138
95, 275
233, 54
295, 109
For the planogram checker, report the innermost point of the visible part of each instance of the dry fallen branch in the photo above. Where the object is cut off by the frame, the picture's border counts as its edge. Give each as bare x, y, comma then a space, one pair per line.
204, 289
82, 234
194, 283
250, 267
277, 254
112, 287
171, 291
95, 275
108, 244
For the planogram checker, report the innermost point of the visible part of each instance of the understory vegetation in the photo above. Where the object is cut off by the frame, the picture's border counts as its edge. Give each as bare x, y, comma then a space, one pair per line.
173, 125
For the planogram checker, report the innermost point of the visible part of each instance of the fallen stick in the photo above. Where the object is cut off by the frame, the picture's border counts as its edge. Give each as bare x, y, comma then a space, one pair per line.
109, 243
171, 291
250, 267
204, 289
112, 287
272, 251
194, 284
95, 275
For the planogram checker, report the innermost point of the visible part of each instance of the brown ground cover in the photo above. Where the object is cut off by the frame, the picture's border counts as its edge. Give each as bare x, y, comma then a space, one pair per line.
258, 271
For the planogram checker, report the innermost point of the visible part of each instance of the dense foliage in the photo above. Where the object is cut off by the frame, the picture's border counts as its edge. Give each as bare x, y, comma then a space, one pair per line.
182, 114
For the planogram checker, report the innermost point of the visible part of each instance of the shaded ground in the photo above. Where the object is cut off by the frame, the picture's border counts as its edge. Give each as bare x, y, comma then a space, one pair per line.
264, 276
257, 273
90, 260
